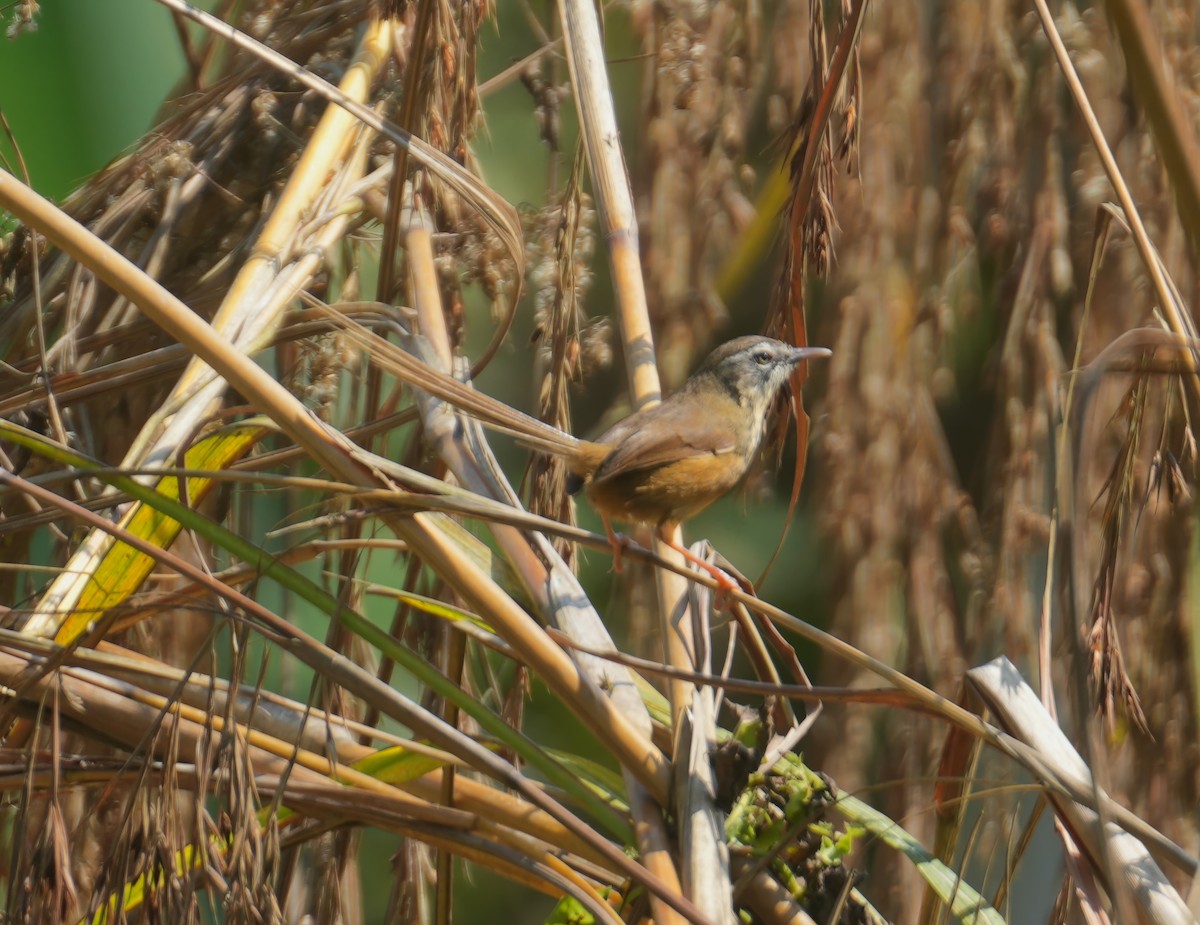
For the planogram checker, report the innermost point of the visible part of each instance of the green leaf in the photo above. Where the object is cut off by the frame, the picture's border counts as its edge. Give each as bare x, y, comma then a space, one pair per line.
964, 901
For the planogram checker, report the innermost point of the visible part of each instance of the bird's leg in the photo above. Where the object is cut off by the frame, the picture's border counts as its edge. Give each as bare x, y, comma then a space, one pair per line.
616, 541
725, 581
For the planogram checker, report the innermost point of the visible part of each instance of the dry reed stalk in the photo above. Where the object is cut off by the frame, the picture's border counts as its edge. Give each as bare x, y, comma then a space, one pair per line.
1138, 879
1160, 92
598, 127
614, 199
970, 723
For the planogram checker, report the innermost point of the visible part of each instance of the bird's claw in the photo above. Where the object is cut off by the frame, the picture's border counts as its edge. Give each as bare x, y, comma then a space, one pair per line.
618, 543
727, 583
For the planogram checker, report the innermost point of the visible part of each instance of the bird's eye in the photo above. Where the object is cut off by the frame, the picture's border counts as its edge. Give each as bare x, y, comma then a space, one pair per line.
763, 357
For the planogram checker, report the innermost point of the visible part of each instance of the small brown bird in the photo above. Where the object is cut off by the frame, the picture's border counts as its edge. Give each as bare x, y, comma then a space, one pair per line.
663, 464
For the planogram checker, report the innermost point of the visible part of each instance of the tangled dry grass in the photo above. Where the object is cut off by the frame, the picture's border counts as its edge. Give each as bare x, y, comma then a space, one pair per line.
200, 712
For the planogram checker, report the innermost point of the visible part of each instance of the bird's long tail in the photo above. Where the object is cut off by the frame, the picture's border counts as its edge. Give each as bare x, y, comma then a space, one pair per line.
491, 412
409, 367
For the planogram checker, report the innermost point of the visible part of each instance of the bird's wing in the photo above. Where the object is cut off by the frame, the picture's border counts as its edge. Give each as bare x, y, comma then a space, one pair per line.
644, 444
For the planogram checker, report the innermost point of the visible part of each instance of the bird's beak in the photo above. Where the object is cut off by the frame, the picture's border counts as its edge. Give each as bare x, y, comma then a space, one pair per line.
800, 354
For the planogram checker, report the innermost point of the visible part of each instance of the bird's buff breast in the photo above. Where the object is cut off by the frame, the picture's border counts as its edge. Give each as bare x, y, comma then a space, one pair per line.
669, 493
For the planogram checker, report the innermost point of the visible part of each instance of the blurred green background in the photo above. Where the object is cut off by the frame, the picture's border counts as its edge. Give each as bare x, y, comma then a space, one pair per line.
85, 86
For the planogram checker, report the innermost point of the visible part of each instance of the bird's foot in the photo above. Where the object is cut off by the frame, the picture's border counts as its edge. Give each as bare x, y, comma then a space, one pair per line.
728, 579
617, 542
728, 583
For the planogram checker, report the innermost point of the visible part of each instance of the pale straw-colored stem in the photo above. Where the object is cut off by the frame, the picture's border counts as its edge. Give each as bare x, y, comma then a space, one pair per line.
423, 280
584, 48
614, 199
